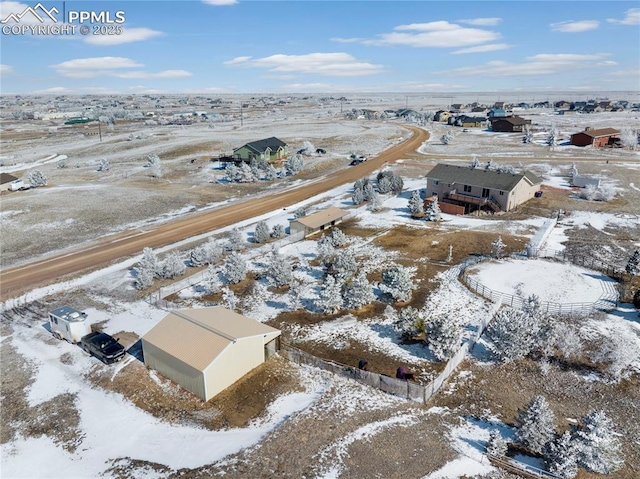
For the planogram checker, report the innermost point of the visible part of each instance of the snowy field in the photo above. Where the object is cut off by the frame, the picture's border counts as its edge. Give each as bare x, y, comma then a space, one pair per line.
340, 428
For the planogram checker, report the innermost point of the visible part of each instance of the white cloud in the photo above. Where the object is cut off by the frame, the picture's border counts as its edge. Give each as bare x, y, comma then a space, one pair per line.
440, 34
237, 61
575, 27
6, 70
491, 47
347, 40
61, 90
93, 67
484, 22
218, 3
323, 64
162, 74
632, 17
541, 64
129, 35
625, 73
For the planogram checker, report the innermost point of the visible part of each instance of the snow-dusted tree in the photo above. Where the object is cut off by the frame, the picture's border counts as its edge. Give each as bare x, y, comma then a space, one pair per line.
384, 185
279, 270
149, 261
326, 250
416, 205
358, 292
573, 171
229, 299
330, 298
398, 283
569, 343
447, 138
475, 163
531, 305
104, 165
198, 256
444, 334
246, 174
261, 233
61, 164
561, 457
155, 165
36, 178
358, 196
235, 268
278, 231
528, 136
553, 137
235, 241
293, 164
232, 173
338, 238
433, 211
368, 192
409, 323
212, 280
300, 212
497, 248
506, 169
629, 139
214, 251
297, 292
513, 334
599, 448
397, 184
375, 202
343, 265
490, 165
270, 173
144, 278
633, 265
535, 425
496, 445
173, 266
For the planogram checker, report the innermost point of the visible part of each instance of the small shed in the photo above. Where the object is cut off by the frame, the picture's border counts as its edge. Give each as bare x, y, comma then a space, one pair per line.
317, 221
206, 350
596, 137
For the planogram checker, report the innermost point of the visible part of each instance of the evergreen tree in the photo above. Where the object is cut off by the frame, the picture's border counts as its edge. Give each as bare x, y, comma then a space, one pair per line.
358, 196
535, 425
368, 192
416, 205
278, 231
36, 178
447, 138
326, 250
561, 458
229, 299
199, 256
235, 241
293, 165
300, 212
214, 251
338, 238
173, 266
149, 262
235, 268
104, 165
409, 323
232, 173
144, 278
496, 445
212, 280
246, 174
343, 265
497, 248
279, 270
261, 233
433, 211
384, 185
397, 184
633, 265
573, 171
330, 298
514, 334
489, 166
443, 336
270, 173
474, 162
398, 283
599, 449
155, 165
358, 292
375, 202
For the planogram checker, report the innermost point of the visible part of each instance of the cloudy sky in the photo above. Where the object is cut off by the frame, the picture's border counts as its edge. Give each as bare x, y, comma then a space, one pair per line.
227, 46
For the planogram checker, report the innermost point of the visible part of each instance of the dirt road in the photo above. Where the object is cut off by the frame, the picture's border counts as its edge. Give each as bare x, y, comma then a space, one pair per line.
21, 278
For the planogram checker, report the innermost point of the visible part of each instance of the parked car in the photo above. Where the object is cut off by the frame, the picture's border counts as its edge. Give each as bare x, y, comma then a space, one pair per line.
320, 151
104, 347
355, 162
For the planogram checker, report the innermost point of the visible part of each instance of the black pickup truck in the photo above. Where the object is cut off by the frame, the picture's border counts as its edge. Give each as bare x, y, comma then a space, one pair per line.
102, 346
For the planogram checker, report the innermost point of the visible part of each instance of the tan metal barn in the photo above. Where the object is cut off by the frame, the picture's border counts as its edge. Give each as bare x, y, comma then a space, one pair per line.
317, 221
206, 350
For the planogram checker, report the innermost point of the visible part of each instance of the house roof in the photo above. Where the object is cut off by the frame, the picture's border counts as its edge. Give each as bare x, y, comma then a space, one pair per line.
197, 336
600, 132
465, 175
322, 217
261, 146
514, 120
6, 178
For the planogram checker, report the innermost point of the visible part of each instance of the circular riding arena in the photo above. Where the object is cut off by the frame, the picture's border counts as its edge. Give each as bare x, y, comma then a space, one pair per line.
552, 281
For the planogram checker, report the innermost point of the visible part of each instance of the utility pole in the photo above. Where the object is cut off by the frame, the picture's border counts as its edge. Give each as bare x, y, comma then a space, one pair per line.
99, 130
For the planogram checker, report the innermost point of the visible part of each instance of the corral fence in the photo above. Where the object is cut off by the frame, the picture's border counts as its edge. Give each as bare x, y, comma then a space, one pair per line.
586, 261
520, 469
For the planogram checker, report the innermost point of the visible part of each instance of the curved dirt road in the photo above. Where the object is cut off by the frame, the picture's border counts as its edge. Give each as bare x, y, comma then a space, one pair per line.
21, 278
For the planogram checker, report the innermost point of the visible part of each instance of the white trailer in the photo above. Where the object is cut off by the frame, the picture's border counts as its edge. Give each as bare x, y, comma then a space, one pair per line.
16, 185
69, 324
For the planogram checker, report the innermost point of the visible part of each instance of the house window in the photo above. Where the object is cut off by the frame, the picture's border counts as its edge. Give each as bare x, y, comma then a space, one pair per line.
436, 182
467, 188
502, 193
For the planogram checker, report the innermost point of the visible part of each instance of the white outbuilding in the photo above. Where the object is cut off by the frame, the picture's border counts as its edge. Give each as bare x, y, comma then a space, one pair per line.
206, 350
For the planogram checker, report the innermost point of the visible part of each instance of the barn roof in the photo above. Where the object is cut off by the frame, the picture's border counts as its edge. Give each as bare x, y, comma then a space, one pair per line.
323, 217
261, 146
465, 175
197, 336
599, 132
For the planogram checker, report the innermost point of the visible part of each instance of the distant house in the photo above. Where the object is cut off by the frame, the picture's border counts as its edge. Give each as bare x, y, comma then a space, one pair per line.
317, 221
458, 106
270, 149
596, 137
509, 124
497, 112
477, 188
5, 181
442, 115
206, 350
468, 121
